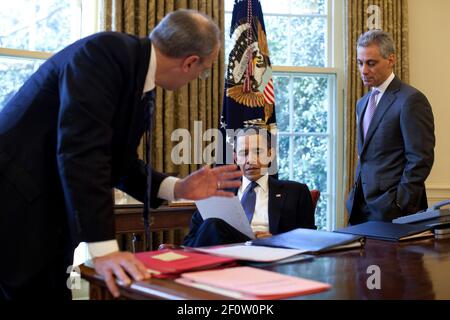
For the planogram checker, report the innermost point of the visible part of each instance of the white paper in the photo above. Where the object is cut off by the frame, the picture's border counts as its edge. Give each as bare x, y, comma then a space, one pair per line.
251, 253
228, 209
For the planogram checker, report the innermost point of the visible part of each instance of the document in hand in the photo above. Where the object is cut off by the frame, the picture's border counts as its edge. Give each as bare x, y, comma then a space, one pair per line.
388, 231
171, 263
312, 241
228, 209
251, 283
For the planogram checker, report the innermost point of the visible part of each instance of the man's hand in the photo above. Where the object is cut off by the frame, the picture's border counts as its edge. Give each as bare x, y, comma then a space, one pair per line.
208, 182
117, 265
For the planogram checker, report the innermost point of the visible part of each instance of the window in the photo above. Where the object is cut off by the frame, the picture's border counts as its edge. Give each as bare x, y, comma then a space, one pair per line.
31, 30
305, 51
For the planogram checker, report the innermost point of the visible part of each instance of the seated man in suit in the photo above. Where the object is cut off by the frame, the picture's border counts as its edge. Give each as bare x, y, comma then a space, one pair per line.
273, 206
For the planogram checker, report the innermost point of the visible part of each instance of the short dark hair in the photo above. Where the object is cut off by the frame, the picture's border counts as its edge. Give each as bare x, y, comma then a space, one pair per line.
186, 32
251, 130
379, 37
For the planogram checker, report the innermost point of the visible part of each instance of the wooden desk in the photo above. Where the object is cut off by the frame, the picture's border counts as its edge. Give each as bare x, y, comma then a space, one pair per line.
410, 270
168, 225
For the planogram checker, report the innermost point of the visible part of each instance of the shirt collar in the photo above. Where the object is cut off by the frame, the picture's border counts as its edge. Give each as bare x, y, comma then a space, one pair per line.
382, 88
262, 182
151, 73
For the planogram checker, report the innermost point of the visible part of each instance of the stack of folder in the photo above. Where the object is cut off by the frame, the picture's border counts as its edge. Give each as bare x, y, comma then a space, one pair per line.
172, 263
388, 231
251, 283
311, 241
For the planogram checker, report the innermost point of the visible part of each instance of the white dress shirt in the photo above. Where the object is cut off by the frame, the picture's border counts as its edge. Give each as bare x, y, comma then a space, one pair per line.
260, 221
166, 189
382, 88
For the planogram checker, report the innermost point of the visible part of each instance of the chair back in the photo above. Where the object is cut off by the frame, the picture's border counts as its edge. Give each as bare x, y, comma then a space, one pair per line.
315, 195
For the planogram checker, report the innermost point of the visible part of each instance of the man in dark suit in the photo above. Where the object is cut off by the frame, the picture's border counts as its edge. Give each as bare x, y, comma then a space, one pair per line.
396, 140
70, 135
280, 205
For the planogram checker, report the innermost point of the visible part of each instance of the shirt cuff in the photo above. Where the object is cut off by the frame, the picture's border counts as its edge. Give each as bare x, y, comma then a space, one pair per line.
102, 248
166, 189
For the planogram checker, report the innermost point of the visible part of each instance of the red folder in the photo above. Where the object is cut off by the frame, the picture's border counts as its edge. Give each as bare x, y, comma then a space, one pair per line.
251, 283
171, 263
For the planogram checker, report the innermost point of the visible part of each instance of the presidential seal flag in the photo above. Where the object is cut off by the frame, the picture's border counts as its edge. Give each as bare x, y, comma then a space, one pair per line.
249, 93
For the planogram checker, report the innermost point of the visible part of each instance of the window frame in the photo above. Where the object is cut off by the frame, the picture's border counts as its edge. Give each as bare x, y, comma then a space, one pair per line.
90, 24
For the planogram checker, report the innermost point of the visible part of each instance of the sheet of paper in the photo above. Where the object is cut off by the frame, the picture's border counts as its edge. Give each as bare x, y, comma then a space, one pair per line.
228, 209
251, 253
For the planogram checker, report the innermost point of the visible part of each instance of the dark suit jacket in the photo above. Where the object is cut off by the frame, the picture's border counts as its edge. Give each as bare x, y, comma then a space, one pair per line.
397, 155
293, 209
66, 139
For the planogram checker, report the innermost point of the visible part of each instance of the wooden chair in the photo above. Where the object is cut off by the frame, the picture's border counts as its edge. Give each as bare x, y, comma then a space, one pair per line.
315, 195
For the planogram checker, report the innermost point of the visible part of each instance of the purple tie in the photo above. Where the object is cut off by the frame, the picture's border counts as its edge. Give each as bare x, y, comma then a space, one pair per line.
370, 110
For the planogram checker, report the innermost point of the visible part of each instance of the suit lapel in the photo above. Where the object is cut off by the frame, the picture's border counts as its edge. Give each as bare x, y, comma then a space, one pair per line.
276, 199
386, 101
360, 109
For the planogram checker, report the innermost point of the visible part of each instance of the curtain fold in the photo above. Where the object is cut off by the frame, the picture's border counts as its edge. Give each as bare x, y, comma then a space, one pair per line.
198, 101
393, 16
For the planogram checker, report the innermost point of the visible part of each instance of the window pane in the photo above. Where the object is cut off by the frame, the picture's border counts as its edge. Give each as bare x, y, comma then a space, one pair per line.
229, 41
287, 6
278, 6
293, 6
283, 157
277, 38
13, 73
310, 94
310, 160
281, 85
308, 41
308, 7
39, 25
229, 4
321, 216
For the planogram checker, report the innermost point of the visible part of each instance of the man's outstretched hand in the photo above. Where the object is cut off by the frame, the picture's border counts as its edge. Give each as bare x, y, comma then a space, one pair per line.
208, 182
120, 266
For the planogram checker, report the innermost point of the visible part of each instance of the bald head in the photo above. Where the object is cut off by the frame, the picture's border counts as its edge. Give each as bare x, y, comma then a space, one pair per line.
184, 33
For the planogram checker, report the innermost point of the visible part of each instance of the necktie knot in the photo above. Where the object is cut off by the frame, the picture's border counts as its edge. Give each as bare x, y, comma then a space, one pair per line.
248, 200
251, 186
374, 93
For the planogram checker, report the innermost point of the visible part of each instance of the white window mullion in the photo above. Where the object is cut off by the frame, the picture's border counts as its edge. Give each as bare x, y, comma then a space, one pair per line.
291, 127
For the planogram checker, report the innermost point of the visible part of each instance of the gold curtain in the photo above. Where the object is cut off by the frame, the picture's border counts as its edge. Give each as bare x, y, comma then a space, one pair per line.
393, 16
200, 100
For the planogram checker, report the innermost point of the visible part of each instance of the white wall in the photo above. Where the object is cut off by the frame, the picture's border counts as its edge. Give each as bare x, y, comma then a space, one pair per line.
429, 36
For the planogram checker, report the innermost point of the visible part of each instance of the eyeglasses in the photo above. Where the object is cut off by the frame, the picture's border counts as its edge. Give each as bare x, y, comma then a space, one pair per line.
205, 74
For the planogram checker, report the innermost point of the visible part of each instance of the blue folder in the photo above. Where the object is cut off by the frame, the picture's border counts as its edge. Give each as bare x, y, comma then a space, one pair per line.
388, 231
313, 241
